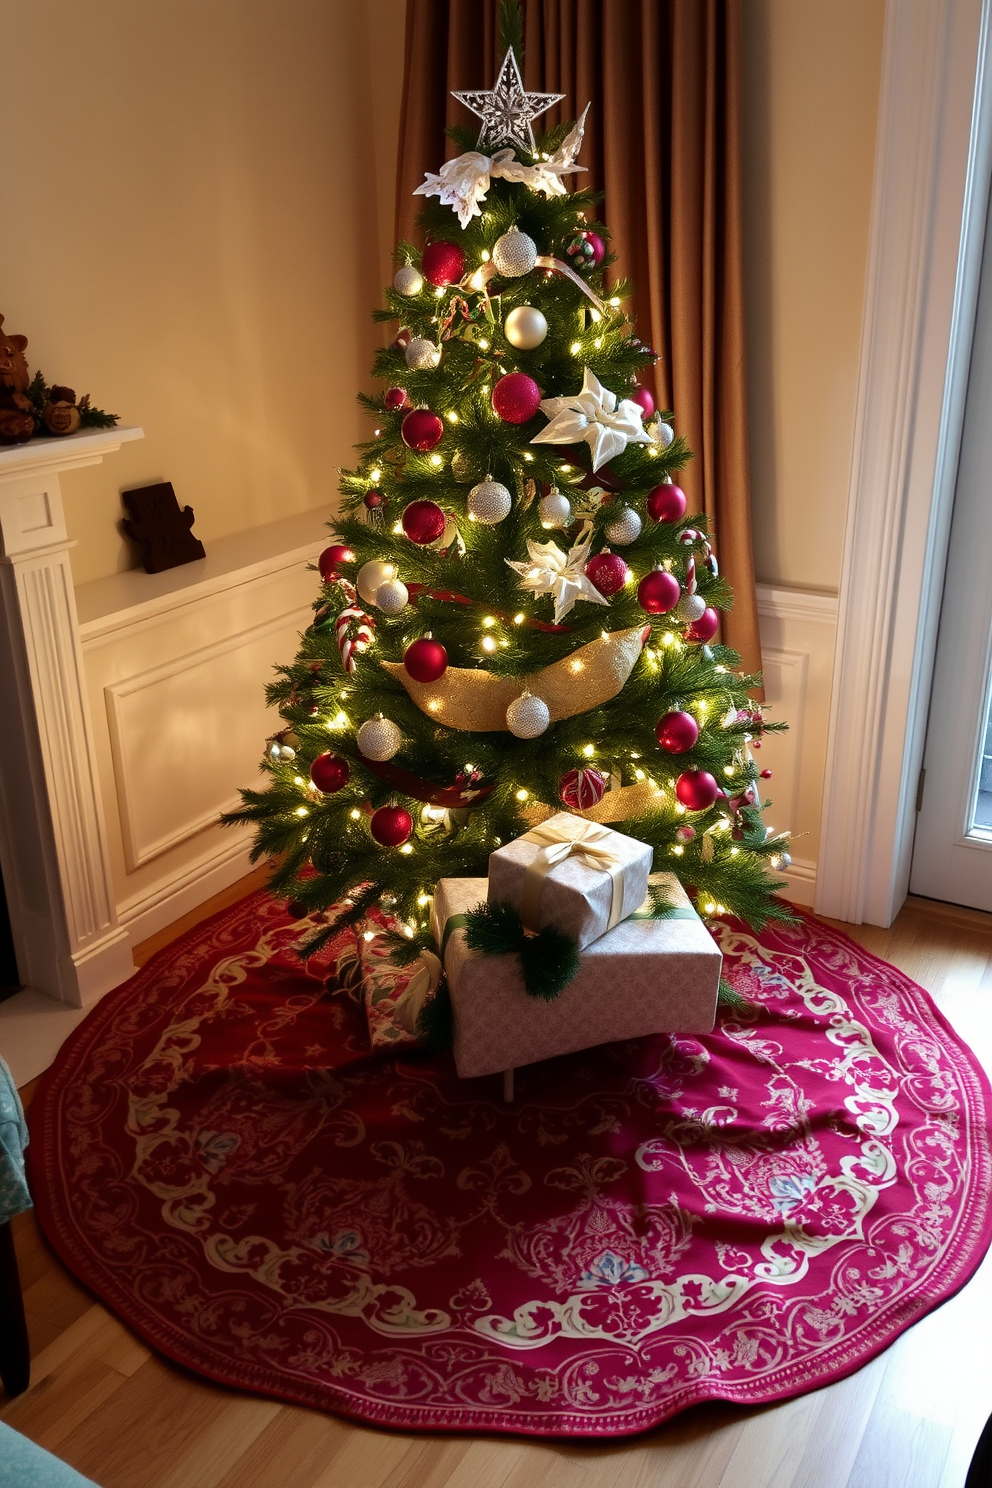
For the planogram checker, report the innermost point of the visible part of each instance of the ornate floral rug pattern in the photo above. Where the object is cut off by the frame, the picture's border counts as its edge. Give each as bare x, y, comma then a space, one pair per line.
740, 1217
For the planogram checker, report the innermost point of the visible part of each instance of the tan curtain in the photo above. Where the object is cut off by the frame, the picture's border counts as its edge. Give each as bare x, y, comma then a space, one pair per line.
663, 143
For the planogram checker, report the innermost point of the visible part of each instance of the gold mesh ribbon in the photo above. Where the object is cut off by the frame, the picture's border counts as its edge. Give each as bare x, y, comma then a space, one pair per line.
584, 841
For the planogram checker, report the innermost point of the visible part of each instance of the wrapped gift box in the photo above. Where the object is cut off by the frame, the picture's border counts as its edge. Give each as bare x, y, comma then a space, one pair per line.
392, 996
645, 976
578, 894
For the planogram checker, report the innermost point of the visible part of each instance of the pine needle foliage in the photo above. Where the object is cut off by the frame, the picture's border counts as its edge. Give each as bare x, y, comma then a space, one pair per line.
463, 593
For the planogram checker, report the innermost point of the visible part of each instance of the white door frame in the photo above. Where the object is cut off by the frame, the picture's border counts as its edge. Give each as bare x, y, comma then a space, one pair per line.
932, 166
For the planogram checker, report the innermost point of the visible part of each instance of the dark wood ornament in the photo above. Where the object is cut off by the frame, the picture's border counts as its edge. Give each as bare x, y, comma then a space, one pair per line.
164, 530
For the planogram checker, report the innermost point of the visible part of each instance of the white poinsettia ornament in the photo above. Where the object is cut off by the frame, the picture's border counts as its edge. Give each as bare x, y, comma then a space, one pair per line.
550, 571
595, 417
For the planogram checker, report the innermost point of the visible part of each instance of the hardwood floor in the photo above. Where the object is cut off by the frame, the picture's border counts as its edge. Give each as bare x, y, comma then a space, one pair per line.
910, 1419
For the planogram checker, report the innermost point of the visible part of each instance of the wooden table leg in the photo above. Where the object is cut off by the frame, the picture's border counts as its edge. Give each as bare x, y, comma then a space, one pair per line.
508, 1085
15, 1357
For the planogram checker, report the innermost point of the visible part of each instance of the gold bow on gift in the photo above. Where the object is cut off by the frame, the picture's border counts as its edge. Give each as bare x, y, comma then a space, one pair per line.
585, 841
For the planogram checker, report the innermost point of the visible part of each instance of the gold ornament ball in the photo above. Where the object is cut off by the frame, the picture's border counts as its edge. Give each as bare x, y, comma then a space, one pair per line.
371, 576
624, 528
525, 327
690, 607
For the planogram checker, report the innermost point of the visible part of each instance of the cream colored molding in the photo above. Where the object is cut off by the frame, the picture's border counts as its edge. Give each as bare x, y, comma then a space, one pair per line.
53, 842
928, 222
778, 602
134, 712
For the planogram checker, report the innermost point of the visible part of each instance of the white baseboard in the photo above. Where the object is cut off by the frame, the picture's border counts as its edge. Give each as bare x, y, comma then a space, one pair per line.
33, 1028
168, 902
802, 883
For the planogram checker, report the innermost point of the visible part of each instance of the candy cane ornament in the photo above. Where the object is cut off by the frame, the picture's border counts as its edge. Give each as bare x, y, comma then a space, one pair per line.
360, 641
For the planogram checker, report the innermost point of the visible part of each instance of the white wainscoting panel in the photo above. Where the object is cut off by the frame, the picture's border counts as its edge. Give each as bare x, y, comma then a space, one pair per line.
797, 644
176, 670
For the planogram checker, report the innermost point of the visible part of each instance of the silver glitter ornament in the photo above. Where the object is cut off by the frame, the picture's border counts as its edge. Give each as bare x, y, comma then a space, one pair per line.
690, 607
525, 327
514, 254
489, 502
625, 527
408, 280
422, 354
527, 716
379, 738
555, 510
392, 596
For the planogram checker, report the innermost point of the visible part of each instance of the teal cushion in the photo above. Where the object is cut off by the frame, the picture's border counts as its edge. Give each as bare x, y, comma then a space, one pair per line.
23, 1465
14, 1194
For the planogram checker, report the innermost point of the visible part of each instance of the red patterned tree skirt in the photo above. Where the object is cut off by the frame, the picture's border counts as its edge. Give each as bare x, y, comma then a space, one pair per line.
741, 1217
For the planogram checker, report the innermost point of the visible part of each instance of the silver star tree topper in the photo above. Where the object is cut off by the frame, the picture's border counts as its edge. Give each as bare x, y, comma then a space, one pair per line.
506, 111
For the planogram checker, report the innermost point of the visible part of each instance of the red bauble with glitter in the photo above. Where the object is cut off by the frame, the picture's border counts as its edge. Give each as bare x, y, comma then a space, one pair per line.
443, 263
705, 628
425, 659
331, 559
423, 522
421, 430
516, 398
666, 503
391, 825
580, 789
374, 500
696, 789
658, 592
329, 772
644, 399
607, 572
396, 397
677, 732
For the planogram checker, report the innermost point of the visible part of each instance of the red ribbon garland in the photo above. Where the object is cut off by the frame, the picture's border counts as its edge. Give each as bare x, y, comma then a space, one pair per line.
426, 790
447, 596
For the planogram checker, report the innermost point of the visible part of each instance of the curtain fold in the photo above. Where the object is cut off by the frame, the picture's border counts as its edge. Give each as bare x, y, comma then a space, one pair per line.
663, 142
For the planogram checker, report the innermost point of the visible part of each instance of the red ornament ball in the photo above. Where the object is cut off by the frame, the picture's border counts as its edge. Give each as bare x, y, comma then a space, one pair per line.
607, 572
580, 789
296, 910
705, 628
331, 559
374, 499
696, 789
329, 772
425, 659
395, 397
391, 825
666, 503
586, 250
676, 732
443, 263
644, 399
421, 430
658, 592
766, 774
423, 522
516, 398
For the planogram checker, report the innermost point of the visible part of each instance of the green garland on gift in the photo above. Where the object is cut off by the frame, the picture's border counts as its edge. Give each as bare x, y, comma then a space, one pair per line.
549, 960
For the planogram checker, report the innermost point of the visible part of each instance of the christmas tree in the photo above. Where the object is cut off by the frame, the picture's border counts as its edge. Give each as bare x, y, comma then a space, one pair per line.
517, 613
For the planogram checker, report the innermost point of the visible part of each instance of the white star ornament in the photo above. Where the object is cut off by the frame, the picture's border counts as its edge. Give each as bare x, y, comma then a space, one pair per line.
506, 110
550, 571
594, 417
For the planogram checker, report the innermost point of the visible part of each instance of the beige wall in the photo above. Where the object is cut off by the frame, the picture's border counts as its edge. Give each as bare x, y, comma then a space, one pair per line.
191, 234
812, 70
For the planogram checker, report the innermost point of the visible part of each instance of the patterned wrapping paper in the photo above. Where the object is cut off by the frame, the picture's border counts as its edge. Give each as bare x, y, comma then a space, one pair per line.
389, 995
575, 897
645, 976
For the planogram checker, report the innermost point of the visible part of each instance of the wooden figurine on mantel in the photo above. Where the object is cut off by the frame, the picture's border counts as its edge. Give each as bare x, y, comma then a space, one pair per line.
157, 523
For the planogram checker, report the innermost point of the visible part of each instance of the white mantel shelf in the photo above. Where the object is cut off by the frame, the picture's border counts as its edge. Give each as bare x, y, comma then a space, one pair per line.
70, 452
53, 840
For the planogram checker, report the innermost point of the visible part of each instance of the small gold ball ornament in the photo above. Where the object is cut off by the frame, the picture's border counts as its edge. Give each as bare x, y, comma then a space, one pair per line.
525, 327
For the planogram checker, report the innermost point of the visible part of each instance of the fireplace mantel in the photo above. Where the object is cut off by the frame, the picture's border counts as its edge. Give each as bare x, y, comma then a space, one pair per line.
53, 846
